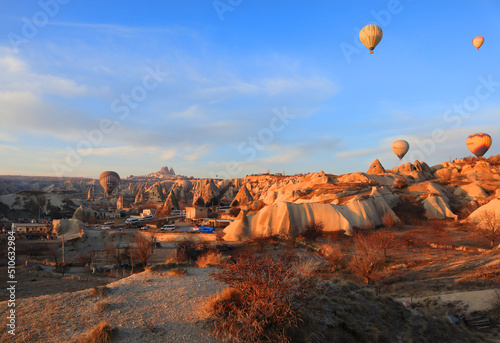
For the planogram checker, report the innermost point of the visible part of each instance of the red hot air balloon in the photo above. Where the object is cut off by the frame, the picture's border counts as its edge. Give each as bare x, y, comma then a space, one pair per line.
109, 180
479, 143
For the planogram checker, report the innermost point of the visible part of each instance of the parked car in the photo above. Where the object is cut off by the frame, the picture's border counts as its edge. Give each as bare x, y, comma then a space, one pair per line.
143, 227
95, 227
106, 227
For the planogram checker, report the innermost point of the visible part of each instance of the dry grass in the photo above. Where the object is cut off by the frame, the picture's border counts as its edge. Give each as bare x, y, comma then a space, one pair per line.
262, 302
100, 291
209, 259
101, 306
178, 272
101, 333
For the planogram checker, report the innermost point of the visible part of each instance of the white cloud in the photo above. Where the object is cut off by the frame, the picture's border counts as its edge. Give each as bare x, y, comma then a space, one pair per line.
192, 112
357, 153
196, 152
15, 76
168, 154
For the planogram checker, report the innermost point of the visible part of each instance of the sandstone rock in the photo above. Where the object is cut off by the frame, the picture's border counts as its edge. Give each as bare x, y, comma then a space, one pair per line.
472, 190
376, 168
243, 198
437, 207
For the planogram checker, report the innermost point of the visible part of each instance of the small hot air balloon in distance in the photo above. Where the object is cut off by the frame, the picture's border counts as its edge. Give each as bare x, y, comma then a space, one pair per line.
370, 36
400, 148
479, 143
109, 180
478, 41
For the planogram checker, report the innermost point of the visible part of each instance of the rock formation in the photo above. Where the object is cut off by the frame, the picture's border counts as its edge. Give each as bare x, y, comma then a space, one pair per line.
243, 198
376, 168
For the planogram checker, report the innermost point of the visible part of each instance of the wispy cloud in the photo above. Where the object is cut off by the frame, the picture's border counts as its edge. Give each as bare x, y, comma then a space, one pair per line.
16, 76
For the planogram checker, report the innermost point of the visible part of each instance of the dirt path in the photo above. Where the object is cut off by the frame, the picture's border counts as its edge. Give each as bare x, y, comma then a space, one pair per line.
474, 300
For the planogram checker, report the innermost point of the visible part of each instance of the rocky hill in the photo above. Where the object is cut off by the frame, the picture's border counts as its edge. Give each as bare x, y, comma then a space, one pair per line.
277, 204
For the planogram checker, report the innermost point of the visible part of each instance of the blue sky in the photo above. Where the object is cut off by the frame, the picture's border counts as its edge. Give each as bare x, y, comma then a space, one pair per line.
229, 88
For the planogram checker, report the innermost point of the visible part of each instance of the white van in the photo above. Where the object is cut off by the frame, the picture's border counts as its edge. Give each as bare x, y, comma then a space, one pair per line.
168, 227
132, 221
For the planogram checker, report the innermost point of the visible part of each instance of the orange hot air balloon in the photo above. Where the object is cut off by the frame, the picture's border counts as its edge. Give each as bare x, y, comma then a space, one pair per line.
370, 36
109, 180
479, 143
400, 148
478, 41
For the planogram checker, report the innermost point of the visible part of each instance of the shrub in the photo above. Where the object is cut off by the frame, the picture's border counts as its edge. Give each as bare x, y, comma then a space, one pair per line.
409, 210
178, 272
313, 231
101, 306
400, 183
388, 221
102, 333
334, 256
367, 260
209, 259
262, 302
186, 251
100, 291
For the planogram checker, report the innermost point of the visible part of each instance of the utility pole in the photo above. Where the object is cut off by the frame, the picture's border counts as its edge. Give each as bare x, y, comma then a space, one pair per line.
63, 249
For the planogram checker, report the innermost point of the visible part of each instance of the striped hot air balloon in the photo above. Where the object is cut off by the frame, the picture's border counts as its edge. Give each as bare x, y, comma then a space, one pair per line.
479, 143
478, 41
400, 148
370, 36
109, 180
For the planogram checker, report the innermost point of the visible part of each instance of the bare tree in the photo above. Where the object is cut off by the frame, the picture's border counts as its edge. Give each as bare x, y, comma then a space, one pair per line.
115, 253
488, 227
367, 260
144, 247
384, 240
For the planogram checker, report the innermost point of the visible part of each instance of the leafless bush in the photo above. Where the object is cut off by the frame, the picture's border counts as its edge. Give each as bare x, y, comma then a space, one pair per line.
263, 302
102, 333
188, 250
313, 231
335, 257
388, 221
488, 227
400, 183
